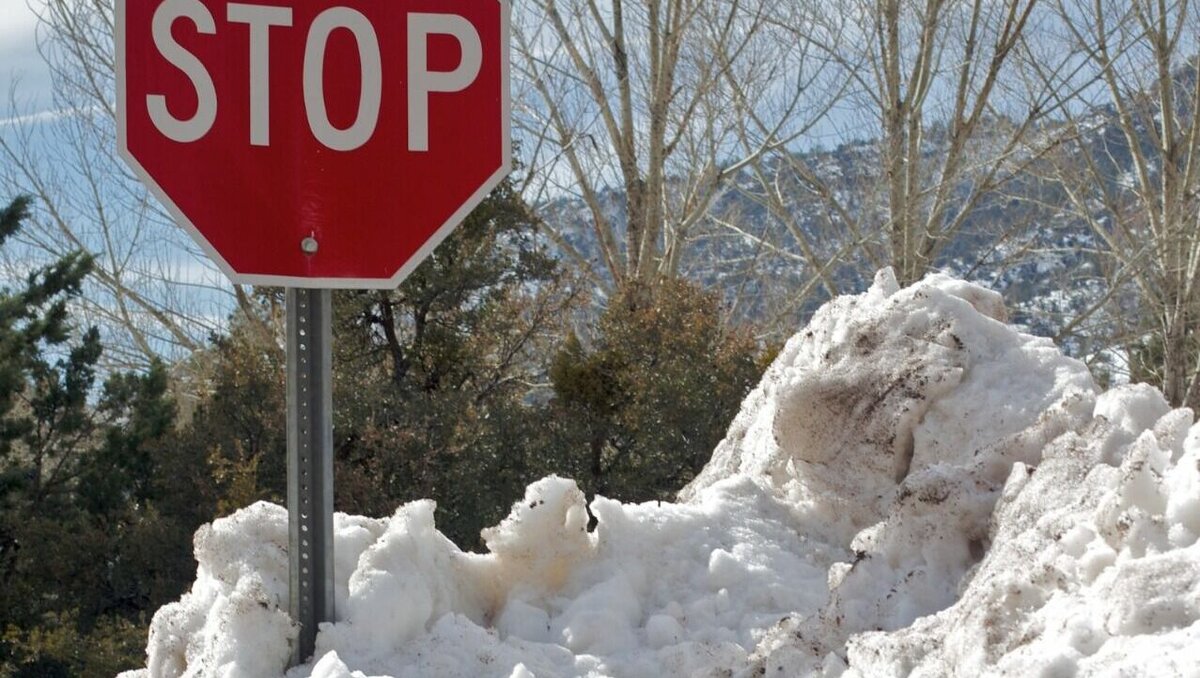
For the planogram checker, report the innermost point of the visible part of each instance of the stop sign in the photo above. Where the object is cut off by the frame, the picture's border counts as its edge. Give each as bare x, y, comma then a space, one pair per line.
315, 143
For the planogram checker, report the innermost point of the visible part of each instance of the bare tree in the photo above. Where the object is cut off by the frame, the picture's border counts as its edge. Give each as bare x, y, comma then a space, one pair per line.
931, 89
1132, 172
633, 110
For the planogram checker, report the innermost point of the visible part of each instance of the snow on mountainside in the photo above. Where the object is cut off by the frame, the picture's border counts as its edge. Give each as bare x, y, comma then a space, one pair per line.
1021, 238
915, 488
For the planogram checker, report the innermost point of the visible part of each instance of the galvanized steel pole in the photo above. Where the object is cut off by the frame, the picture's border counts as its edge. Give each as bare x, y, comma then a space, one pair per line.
310, 463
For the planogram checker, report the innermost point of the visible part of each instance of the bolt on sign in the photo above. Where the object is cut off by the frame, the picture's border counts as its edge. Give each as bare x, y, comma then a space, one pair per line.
324, 143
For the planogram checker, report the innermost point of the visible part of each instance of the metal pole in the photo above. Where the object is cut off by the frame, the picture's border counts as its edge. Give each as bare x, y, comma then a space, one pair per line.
310, 464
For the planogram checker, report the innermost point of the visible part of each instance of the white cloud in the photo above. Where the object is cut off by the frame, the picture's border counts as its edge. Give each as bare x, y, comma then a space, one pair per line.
40, 116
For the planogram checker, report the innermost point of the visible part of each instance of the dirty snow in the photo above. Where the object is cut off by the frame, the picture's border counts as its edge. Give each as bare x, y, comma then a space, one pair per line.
914, 489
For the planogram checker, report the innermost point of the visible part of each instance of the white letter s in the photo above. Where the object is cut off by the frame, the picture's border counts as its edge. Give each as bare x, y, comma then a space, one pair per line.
183, 131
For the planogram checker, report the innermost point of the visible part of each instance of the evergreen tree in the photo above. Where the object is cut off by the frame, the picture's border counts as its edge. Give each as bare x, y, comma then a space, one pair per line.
44, 386
236, 439
85, 551
655, 394
435, 381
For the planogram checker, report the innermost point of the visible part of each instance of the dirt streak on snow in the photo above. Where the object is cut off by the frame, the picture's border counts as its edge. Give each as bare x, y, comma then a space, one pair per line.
915, 488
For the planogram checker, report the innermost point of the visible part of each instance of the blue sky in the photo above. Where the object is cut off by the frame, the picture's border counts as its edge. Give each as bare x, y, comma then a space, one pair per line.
20, 61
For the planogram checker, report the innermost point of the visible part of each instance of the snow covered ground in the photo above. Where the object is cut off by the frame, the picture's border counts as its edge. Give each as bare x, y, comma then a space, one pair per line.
914, 489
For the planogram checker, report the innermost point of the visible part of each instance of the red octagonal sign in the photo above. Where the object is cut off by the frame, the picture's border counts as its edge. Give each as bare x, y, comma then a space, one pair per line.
315, 143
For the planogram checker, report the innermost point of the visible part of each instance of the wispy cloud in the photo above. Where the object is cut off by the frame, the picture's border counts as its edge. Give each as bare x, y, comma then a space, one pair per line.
36, 118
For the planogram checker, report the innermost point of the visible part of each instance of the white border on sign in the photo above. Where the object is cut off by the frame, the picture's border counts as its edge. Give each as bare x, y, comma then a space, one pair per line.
324, 283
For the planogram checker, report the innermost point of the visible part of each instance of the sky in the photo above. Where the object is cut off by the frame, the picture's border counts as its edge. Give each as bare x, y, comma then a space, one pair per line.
20, 62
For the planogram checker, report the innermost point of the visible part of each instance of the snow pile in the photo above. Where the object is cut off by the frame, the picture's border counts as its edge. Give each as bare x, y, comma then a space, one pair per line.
915, 488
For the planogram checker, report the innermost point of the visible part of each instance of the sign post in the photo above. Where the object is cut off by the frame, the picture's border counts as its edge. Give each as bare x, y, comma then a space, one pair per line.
265, 127
310, 463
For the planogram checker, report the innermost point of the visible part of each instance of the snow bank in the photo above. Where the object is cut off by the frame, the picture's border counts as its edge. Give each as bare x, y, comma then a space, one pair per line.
915, 488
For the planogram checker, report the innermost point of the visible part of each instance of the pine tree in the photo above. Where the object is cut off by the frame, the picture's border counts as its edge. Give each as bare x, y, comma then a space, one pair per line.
656, 391
434, 380
81, 556
43, 398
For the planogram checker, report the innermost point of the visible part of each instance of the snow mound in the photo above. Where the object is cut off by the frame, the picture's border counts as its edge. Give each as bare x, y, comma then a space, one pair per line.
914, 488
